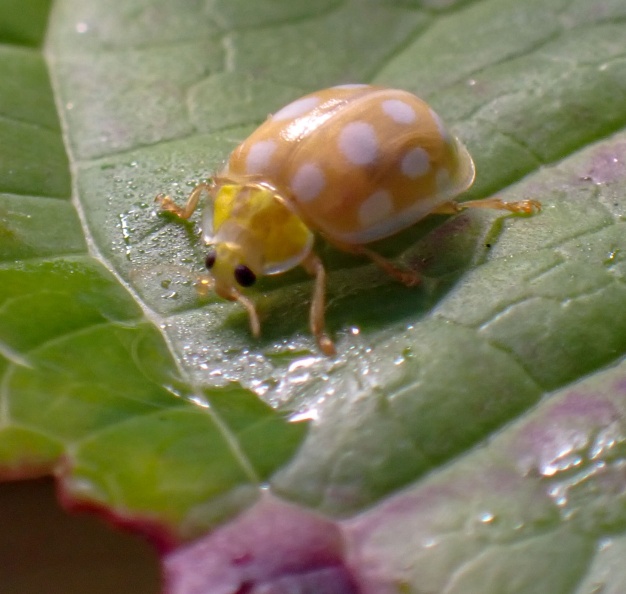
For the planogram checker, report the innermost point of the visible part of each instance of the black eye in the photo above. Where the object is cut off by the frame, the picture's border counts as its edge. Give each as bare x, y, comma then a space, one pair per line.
209, 261
244, 276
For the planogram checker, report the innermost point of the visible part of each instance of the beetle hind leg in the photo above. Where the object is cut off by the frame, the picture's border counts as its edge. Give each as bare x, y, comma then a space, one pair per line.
527, 207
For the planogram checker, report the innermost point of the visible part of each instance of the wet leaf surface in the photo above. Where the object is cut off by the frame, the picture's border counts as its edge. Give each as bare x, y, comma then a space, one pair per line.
479, 415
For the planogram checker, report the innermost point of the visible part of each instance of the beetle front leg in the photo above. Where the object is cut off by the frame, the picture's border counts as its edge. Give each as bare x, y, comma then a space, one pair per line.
166, 204
314, 266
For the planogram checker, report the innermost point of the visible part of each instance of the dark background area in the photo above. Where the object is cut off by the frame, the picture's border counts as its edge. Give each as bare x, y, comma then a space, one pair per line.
44, 550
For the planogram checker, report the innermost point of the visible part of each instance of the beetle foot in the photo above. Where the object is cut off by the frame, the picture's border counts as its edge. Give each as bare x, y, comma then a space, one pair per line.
326, 345
528, 207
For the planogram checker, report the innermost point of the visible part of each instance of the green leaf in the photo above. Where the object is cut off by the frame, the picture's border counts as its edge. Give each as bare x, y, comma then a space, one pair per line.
159, 401
24, 22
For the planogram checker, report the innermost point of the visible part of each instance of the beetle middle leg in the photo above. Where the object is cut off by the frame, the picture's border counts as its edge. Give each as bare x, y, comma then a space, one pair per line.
406, 276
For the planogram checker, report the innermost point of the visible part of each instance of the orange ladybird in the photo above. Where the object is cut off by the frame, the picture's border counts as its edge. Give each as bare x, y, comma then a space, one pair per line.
354, 163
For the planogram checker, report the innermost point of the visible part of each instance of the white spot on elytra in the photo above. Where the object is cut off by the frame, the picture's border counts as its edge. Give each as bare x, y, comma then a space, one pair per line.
259, 156
415, 163
399, 111
308, 182
375, 208
358, 143
296, 109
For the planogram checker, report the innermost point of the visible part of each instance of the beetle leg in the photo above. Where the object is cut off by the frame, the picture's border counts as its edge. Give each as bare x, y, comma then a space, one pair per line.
528, 207
406, 276
206, 283
166, 204
314, 266
255, 325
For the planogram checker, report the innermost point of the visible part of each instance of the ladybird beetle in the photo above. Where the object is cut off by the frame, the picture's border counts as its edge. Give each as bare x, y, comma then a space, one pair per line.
354, 163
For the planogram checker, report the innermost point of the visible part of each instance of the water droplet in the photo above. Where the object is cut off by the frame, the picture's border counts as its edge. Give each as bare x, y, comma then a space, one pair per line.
126, 233
605, 543
558, 493
200, 401
304, 363
487, 517
611, 256
311, 414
